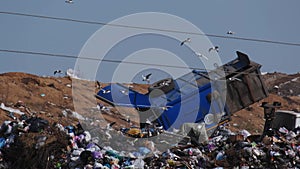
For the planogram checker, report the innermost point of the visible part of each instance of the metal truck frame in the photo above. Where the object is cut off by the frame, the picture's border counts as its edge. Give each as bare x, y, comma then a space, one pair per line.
195, 97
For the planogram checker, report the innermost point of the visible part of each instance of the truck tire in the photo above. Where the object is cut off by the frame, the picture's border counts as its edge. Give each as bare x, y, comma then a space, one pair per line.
162, 87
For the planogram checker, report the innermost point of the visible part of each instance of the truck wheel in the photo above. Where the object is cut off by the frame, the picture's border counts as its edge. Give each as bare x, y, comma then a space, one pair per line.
162, 87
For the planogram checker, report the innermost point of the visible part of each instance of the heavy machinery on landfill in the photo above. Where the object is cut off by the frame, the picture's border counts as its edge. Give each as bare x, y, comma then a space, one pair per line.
194, 97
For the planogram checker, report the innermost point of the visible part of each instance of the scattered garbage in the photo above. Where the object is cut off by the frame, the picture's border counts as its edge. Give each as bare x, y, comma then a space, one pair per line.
68, 112
37, 124
40, 141
133, 147
225, 149
11, 110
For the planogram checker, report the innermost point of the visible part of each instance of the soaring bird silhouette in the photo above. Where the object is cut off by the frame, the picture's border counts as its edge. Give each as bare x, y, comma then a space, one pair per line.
201, 55
165, 108
234, 79
99, 86
58, 71
147, 77
215, 48
105, 91
188, 40
124, 91
216, 65
230, 33
69, 1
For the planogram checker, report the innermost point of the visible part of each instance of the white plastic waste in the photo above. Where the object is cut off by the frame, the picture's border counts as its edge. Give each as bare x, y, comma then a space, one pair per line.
9, 109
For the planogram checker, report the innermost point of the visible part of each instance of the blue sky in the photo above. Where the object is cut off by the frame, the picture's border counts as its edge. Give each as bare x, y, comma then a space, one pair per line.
271, 19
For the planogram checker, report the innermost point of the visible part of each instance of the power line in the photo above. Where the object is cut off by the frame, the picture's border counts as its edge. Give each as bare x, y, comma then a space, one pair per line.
95, 59
113, 61
148, 28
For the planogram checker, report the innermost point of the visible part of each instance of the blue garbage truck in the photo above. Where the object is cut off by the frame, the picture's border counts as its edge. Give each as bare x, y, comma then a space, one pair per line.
198, 96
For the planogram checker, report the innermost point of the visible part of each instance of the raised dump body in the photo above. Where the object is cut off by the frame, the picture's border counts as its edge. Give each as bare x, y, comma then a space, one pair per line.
194, 97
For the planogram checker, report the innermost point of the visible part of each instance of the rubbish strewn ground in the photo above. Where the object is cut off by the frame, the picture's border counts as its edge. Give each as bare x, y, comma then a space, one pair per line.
51, 99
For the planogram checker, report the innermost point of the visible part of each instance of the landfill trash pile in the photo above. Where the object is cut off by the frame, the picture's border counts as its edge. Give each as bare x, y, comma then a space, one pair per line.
74, 147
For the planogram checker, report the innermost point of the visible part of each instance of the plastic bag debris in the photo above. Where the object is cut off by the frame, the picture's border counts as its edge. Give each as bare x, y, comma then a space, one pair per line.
9, 109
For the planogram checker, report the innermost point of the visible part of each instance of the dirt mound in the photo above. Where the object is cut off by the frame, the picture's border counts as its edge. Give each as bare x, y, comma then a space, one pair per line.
283, 84
49, 96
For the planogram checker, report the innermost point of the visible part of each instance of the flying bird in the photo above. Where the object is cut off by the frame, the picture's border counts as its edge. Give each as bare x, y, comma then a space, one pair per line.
125, 92
99, 86
130, 86
147, 77
105, 91
230, 33
165, 83
216, 65
234, 78
165, 108
188, 40
58, 71
215, 48
69, 1
201, 55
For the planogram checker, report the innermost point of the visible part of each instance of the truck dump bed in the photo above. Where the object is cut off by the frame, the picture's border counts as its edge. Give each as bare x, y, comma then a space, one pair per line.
195, 97
250, 89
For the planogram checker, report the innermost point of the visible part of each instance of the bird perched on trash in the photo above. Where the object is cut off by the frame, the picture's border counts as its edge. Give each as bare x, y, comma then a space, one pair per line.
174, 130
69, 1
201, 55
102, 107
147, 77
230, 33
58, 71
148, 122
109, 128
105, 91
215, 48
188, 40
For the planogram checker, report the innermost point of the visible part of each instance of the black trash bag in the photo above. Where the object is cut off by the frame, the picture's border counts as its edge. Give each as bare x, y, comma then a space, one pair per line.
24, 117
37, 124
86, 157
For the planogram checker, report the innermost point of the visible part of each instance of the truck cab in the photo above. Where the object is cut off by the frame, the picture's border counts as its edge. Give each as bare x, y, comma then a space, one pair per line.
285, 118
